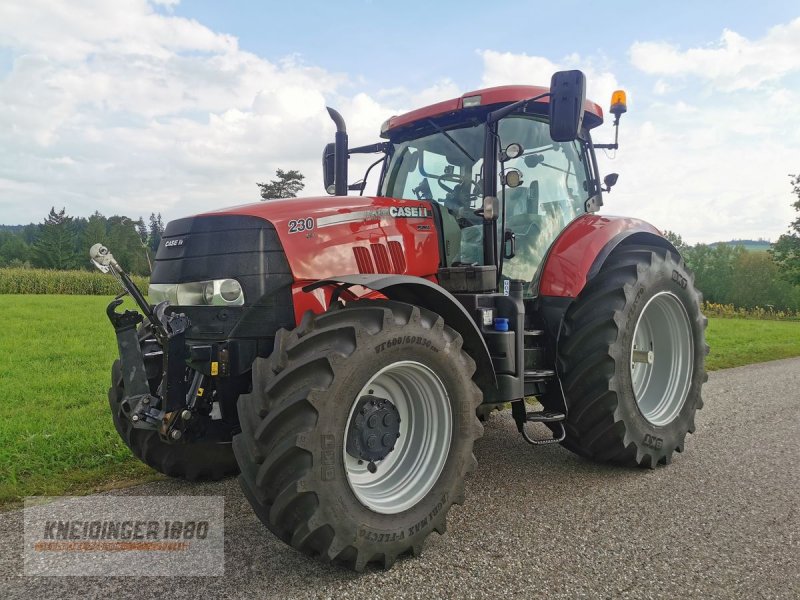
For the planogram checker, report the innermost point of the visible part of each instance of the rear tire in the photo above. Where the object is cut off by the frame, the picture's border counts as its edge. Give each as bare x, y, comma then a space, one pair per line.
294, 453
631, 359
196, 461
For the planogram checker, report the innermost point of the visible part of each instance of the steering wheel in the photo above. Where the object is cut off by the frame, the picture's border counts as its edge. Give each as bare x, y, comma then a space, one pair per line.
449, 177
459, 182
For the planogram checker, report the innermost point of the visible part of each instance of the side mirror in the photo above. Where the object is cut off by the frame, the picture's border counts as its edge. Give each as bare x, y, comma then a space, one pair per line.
328, 155
568, 93
610, 180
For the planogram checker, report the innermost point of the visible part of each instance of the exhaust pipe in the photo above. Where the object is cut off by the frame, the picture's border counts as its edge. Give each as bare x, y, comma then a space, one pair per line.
341, 153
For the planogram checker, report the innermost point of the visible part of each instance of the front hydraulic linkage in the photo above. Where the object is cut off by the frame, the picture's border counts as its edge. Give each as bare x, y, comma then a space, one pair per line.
146, 410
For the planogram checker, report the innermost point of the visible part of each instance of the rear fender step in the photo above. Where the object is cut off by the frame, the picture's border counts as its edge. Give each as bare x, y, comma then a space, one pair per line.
523, 417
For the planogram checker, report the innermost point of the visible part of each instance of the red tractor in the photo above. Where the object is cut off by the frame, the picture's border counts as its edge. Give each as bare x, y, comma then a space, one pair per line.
337, 352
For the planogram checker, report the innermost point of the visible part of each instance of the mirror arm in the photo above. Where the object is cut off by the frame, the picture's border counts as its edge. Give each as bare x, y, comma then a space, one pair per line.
370, 148
363, 182
498, 114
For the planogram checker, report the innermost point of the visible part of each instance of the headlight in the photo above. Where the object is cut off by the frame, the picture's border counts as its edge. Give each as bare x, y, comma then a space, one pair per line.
217, 292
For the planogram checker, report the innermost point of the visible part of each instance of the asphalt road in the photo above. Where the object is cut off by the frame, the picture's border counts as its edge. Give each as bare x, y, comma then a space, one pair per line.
721, 522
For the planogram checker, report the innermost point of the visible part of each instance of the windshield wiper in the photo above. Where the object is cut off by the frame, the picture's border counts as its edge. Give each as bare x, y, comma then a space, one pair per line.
451, 138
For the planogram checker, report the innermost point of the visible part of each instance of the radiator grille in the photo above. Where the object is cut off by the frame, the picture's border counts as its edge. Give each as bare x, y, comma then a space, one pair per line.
363, 260
379, 259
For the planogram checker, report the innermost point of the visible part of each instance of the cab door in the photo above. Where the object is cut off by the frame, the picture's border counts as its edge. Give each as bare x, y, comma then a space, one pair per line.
554, 186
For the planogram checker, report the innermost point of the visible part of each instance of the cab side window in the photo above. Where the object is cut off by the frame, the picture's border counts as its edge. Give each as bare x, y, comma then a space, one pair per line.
553, 191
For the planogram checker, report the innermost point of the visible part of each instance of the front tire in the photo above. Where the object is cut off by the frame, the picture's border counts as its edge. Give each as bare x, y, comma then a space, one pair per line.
631, 358
299, 461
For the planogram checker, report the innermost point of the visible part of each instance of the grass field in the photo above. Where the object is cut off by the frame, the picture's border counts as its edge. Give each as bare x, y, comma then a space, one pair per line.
736, 342
56, 434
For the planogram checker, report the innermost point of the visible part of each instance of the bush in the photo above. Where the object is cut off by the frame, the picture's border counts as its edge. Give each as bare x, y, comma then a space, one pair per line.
729, 311
43, 281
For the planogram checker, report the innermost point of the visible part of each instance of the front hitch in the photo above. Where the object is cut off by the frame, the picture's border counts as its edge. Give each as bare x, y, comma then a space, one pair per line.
164, 411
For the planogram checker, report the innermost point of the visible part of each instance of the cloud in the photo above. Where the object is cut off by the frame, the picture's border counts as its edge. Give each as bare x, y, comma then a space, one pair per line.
710, 166
116, 107
125, 108
689, 171
712, 162
734, 63
507, 68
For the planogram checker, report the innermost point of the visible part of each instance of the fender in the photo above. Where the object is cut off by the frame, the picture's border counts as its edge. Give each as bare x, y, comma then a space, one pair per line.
580, 251
421, 292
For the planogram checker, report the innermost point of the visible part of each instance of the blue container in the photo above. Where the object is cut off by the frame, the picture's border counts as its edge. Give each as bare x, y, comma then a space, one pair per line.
500, 324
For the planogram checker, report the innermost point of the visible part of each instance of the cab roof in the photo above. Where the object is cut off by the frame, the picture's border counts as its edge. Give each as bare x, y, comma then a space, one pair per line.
504, 94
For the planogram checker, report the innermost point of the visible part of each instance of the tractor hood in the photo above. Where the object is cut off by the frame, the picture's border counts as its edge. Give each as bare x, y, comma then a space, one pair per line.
341, 235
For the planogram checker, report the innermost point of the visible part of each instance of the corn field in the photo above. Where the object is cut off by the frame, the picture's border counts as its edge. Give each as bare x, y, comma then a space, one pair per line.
43, 281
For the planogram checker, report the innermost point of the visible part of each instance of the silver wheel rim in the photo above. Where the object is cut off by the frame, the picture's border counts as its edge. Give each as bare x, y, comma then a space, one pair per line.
409, 471
661, 359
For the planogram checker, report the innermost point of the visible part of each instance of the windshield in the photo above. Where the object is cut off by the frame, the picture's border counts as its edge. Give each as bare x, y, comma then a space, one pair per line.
444, 167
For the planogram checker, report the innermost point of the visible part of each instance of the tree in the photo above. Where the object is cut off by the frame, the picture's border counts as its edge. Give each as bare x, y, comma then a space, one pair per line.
287, 185
13, 250
714, 268
156, 230
125, 243
95, 232
54, 248
756, 282
141, 229
786, 251
676, 240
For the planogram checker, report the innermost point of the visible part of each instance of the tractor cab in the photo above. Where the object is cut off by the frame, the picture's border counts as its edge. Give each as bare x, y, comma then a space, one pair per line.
443, 154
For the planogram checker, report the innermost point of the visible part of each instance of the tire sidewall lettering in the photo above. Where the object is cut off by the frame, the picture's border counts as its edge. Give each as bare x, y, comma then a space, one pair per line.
411, 340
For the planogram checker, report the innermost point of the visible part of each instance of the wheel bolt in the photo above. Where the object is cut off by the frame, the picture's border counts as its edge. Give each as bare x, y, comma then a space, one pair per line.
387, 440
176, 434
135, 418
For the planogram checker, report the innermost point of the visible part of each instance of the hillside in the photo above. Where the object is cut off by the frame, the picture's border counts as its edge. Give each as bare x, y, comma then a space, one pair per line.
749, 245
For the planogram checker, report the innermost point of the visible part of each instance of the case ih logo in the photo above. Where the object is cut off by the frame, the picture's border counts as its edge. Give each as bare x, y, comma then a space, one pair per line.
173, 243
419, 212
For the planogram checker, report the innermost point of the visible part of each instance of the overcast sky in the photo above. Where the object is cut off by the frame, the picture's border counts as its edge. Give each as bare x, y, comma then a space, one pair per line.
132, 107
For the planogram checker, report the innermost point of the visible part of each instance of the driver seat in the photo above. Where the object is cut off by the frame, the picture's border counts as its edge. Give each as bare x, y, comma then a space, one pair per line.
522, 210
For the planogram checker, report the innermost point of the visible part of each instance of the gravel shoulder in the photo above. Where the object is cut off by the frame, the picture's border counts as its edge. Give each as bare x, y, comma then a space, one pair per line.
721, 522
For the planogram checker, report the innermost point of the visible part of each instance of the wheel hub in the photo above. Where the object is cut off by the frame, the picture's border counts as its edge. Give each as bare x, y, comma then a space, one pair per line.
374, 429
662, 357
424, 422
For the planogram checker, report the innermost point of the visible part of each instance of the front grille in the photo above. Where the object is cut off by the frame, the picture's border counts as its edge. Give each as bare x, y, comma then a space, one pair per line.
220, 246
